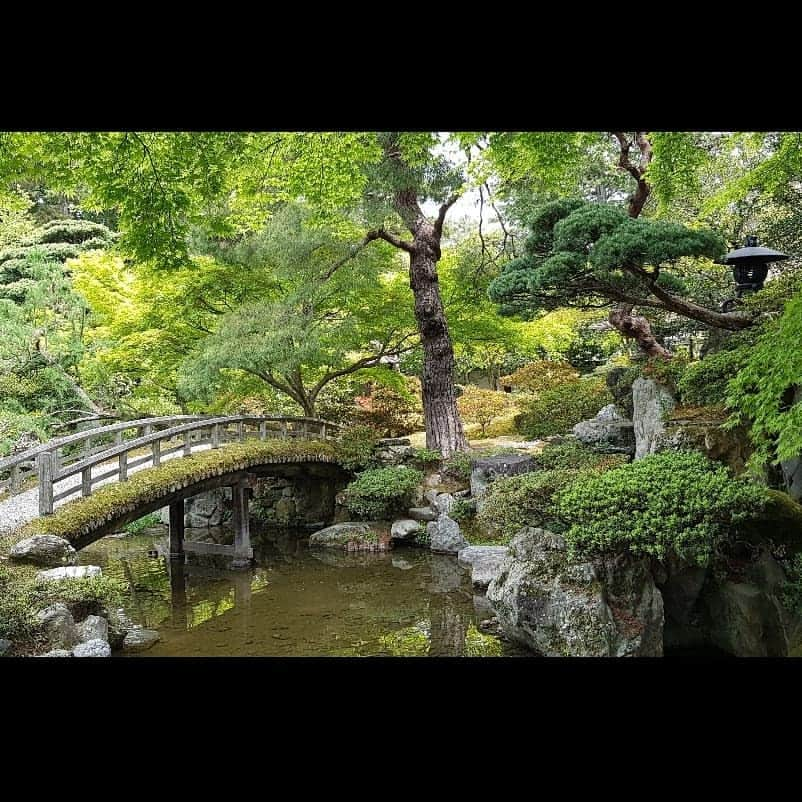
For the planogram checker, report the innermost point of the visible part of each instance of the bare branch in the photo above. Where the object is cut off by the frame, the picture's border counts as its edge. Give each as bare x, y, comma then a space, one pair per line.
393, 240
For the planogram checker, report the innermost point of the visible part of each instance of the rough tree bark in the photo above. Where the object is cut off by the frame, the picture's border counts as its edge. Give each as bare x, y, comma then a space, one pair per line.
621, 318
443, 425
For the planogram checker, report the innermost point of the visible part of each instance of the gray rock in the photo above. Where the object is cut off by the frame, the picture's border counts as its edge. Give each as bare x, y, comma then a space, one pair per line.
445, 536
44, 550
212, 508
92, 648
743, 620
559, 607
56, 653
650, 402
433, 480
119, 626
5, 646
338, 536
608, 432
422, 513
429, 496
138, 640
443, 503
405, 529
70, 572
384, 442
93, 627
485, 562
400, 562
620, 387
58, 626
485, 471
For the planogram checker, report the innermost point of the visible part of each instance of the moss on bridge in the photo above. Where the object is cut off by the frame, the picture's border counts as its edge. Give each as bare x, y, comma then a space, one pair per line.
84, 515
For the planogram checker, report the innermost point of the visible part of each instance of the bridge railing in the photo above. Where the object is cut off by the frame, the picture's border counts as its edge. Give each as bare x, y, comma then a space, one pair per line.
153, 439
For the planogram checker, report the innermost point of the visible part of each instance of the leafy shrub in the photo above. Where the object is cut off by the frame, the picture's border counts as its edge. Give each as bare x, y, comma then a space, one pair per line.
355, 447
539, 376
763, 391
393, 411
704, 383
672, 503
518, 501
421, 537
791, 594
572, 455
143, 523
427, 456
458, 466
381, 492
14, 425
462, 510
481, 406
668, 372
557, 410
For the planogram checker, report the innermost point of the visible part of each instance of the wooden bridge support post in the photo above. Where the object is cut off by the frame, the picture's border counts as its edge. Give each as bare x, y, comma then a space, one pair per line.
178, 594
243, 553
177, 530
44, 465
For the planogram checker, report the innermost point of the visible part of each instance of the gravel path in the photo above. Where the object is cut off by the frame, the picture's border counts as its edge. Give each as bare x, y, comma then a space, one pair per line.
24, 507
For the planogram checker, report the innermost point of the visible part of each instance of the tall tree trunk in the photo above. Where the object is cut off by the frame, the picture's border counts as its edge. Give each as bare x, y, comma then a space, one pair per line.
621, 318
443, 425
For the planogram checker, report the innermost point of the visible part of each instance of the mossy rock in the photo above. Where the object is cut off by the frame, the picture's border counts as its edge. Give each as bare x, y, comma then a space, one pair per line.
780, 522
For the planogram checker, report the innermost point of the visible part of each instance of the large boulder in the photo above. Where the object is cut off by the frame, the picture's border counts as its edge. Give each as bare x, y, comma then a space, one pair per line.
404, 530
445, 536
422, 513
138, 640
487, 470
119, 626
58, 626
92, 648
650, 402
485, 562
70, 572
43, 550
561, 607
608, 432
93, 627
703, 430
351, 536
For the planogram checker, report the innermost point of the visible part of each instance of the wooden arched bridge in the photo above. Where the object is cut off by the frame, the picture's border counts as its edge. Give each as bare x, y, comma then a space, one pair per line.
73, 465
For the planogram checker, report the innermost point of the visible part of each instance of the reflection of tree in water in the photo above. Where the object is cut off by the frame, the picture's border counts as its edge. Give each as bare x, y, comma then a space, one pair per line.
448, 627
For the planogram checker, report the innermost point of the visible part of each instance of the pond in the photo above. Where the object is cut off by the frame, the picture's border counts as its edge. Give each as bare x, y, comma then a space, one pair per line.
298, 601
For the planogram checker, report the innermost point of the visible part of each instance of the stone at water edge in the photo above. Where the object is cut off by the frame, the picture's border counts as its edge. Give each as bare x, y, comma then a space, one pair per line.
93, 627
43, 550
445, 536
422, 513
5, 646
485, 562
119, 626
70, 572
56, 653
58, 626
138, 640
559, 607
92, 648
404, 529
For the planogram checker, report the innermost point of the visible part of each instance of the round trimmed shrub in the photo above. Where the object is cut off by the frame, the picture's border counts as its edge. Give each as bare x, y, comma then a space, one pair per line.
382, 492
676, 503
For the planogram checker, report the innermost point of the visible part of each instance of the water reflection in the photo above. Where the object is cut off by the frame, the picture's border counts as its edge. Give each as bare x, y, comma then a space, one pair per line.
300, 602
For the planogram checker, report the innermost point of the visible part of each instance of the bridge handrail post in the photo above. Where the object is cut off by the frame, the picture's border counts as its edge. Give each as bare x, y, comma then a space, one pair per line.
44, 467
263, 430
216, 435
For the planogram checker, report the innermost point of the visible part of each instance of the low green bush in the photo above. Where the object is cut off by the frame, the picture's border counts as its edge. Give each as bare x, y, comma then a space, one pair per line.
462, 510
573, 455
355, 447
558, 409
427, 457
676, 503
518, 501
379, 493
458, 466
791, 594
140, 524
704, 383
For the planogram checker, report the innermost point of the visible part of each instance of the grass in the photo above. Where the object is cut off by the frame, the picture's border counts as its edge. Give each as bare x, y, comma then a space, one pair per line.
82, 516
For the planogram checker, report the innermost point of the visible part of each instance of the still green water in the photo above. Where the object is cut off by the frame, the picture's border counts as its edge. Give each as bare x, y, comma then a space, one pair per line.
298, 601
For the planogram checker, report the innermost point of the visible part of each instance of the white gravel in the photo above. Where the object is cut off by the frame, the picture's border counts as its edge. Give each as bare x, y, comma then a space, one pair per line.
24, 507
